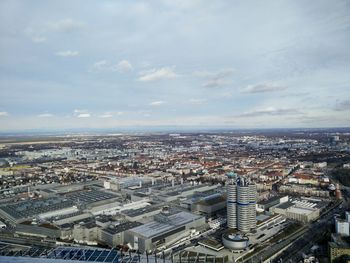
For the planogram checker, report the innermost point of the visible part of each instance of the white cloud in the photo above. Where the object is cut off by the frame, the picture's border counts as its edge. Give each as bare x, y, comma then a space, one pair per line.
106, 115
81, 113
39, 39
45, 115
215, 79
124, 66
65, 25
157, 103
262, 88
100, 65
84, 115
67, 53
158, 74
36, 34
104, 65
197, 101
3, 113
271, 111
215, 83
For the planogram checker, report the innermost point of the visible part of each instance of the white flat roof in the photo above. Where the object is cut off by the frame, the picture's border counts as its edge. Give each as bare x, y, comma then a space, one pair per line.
155, 228
301, 210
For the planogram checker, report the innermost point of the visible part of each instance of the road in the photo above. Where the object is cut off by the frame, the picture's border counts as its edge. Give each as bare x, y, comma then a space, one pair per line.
301, 241
315, 233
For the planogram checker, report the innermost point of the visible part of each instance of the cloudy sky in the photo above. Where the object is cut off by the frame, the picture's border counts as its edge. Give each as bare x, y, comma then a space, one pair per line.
114, 64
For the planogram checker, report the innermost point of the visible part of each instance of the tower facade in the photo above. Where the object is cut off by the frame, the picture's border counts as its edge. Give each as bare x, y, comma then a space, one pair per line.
241, 201
232, 200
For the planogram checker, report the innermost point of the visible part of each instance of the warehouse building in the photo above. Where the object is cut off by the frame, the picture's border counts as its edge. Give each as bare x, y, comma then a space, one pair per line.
265, 205
163, 230
182, 191
209, 205
303, 209
114, 235
140, 214
339, 247
27, 210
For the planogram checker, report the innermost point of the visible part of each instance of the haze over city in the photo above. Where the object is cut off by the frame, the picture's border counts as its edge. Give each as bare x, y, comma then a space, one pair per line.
174, 131
209, 64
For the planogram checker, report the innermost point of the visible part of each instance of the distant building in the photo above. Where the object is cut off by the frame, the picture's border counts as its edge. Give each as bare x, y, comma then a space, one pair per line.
241, 202
114, 235
303, 210
86, 233
163, 230
342, 226
338, 248
209, 205
265, 205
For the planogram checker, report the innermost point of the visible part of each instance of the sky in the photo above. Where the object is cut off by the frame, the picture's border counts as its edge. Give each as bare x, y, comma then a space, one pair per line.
99, 64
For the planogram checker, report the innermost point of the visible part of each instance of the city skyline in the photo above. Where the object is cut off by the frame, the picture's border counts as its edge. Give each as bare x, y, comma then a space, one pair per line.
120, 65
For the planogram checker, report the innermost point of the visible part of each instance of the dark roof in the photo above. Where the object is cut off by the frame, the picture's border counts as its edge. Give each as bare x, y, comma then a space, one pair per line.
140, 211
121, 228
285, 205
212, 201
270, 200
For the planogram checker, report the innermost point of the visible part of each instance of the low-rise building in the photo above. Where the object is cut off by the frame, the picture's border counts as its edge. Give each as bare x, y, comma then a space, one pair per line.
163, 230
114, 235
86, 233
339, 247
209, 205
303, 210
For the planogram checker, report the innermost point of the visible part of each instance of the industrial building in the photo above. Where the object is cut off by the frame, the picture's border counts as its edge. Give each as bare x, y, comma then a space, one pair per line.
338, 247
182, 191
342, 226
241, 202
164, 229
209, 205
114, 235
265, 205
300, 209
27, 210
141, 213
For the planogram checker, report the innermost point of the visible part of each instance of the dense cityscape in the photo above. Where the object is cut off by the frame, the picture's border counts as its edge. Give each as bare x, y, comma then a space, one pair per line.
174, 131
235, 196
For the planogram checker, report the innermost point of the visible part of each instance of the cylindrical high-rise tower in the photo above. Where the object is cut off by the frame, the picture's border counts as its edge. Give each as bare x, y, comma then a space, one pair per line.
241, 200
231, 200
252, 204
243, 208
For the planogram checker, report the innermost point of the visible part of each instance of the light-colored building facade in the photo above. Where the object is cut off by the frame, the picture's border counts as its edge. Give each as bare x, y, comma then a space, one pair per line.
241, 203
342, 227
163, 230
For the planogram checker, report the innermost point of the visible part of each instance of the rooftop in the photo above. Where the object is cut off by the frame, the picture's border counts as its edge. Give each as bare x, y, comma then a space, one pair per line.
212, 200
89, 196
31, 208
155, 228
270, 200
140, 211
121, 228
